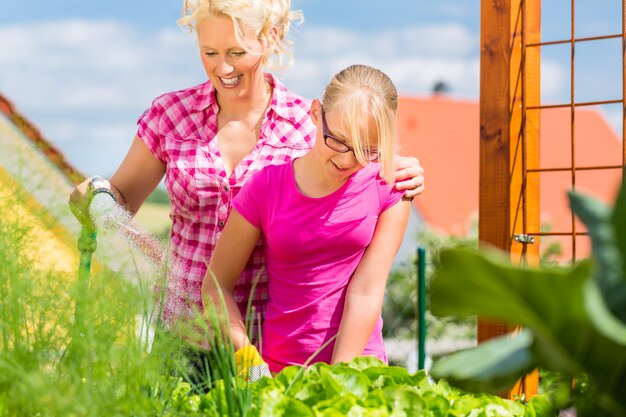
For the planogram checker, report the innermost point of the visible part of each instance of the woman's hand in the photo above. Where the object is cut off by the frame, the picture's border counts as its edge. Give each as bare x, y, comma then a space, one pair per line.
409, 176
79, 200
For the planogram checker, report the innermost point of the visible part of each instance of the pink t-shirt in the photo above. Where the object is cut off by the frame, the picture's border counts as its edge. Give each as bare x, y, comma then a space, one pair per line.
312, 247
180, 130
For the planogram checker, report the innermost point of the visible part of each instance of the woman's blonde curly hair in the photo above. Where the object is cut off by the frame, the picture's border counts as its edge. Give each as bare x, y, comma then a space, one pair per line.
257, 16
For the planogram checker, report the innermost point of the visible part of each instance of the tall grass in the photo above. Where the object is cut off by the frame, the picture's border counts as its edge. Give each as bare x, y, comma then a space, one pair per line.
49, 366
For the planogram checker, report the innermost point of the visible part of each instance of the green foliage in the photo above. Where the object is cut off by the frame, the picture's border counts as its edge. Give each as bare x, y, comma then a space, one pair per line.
365, 387
574, 318
399, 308
400, 305
50, 366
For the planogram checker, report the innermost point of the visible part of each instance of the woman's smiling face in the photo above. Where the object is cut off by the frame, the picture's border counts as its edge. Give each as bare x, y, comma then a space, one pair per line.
235, 69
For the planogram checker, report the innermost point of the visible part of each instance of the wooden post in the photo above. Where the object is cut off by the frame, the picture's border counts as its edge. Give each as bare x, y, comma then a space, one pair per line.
509, 139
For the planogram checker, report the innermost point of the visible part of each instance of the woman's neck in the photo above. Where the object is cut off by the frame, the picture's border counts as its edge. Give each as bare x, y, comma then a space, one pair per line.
250, 107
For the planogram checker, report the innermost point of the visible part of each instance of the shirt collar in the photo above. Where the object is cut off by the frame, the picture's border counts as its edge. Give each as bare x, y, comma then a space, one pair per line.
282, 102
205, 97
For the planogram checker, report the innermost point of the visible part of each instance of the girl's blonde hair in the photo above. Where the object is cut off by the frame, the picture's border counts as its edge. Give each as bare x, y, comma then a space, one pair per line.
257, 16
366, 96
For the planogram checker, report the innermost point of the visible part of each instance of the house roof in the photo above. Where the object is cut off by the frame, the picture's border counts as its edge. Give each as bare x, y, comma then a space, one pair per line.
31, 133
50, 246
443, 133
41, 171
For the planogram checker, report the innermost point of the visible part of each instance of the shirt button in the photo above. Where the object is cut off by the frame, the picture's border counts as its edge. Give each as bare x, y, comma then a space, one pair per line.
221, 223
226, 188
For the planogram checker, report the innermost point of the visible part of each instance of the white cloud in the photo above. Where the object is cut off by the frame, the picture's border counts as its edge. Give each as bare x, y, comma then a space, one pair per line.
85, 82
414, 57
89, 64
66, 130
98, 134
554, 80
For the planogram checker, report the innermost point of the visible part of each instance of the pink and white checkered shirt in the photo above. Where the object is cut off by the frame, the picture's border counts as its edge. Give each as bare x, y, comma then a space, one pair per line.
180, 128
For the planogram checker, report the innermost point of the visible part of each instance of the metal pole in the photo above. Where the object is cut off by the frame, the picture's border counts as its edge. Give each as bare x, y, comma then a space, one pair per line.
421, 307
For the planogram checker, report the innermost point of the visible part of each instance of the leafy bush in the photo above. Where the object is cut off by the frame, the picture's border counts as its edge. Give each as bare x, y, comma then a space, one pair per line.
399, 308
363, 387
103, 365
400, 305
50, 366
574, 318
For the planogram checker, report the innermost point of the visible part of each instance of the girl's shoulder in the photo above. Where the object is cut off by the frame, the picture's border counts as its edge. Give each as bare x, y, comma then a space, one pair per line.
369, 181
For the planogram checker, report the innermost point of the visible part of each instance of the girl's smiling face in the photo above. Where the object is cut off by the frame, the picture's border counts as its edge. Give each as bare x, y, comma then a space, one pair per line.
331, 134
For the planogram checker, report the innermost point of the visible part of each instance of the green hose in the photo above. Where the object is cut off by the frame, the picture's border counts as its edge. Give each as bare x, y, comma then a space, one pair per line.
86, 247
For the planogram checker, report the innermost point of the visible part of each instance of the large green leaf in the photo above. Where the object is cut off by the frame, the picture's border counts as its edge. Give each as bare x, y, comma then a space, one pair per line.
284, 406
342, 379
619, 223
539, 405
608, 272
364, 362
551, 303
493, 366
396, 374
405, 401
600, 315
469, 283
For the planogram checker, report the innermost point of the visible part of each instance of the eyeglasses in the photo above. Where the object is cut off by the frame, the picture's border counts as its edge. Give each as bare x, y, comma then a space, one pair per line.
338, 146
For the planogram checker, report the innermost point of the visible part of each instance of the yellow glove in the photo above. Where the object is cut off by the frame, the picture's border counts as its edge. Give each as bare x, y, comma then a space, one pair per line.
250, 365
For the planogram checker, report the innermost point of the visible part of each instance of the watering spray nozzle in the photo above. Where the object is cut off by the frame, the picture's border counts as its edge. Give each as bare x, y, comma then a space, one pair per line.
98, 185
106, 215
102, 203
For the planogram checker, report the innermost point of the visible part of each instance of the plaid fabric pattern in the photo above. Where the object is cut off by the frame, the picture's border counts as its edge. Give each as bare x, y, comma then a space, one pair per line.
179, 129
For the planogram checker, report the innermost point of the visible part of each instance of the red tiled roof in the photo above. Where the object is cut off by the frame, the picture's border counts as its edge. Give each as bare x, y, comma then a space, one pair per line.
32, 133
56, 158
444, 134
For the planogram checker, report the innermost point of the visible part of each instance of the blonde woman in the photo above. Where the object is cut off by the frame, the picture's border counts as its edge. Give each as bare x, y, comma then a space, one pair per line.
331, 228
208, 140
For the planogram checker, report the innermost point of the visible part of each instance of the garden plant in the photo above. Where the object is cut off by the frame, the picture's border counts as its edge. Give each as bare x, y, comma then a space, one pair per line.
106, 365
574, 318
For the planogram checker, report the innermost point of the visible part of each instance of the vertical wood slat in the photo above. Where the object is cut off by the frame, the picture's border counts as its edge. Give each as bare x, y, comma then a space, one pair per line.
573, 118
530, 184
624, 83
509, 138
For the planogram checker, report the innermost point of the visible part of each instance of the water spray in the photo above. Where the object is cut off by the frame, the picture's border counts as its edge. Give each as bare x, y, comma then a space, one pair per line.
103, 214
102, 204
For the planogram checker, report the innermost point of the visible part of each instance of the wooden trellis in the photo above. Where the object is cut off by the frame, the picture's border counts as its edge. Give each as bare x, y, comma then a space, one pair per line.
510, 108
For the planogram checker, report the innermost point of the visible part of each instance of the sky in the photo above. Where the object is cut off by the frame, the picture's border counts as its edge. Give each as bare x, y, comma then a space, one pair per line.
84, 71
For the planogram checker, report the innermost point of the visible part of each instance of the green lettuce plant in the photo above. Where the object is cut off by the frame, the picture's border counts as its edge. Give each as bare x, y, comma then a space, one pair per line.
363, 387
574, 318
